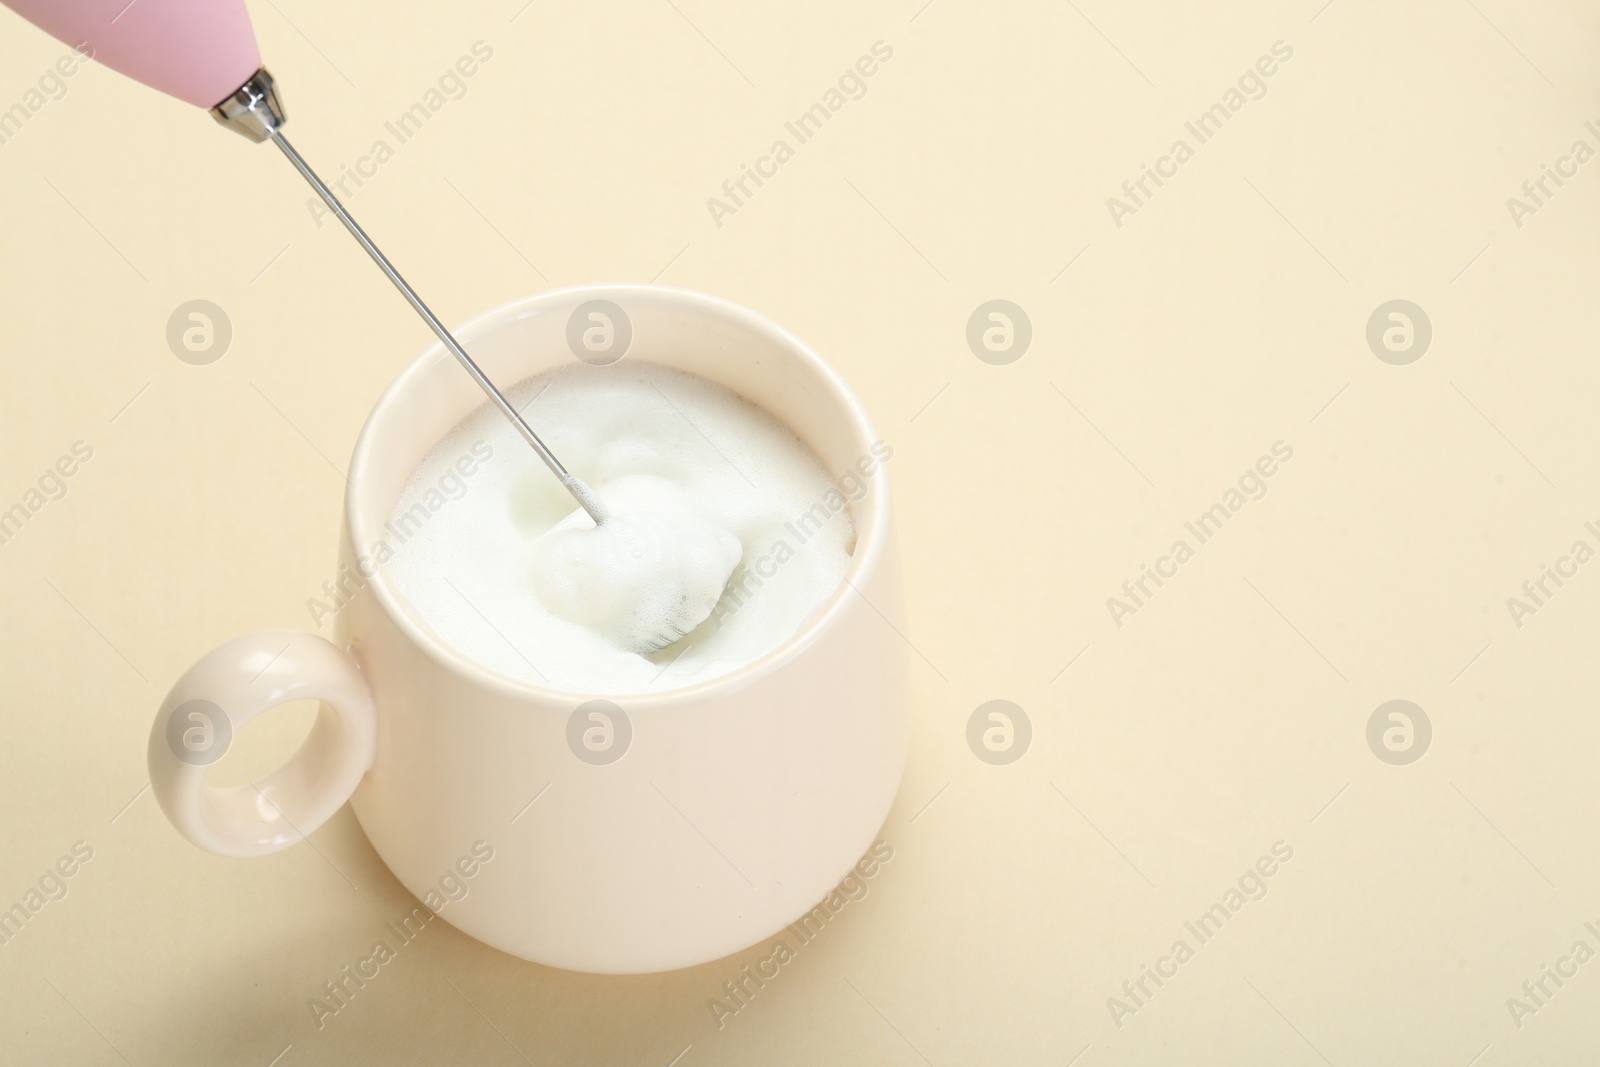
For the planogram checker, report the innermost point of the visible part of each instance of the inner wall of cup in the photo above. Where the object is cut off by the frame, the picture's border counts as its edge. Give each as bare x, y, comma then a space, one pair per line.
686, 331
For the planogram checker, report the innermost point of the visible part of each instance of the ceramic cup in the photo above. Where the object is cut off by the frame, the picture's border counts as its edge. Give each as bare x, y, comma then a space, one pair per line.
635, 834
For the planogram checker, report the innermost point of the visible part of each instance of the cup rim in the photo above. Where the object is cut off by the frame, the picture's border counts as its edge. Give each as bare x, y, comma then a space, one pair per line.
870, 538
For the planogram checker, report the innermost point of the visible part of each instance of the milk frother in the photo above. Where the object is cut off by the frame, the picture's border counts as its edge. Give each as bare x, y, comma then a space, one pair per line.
204, 52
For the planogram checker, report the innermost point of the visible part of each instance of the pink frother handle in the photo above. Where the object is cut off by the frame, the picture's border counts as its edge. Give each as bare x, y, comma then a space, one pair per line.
199, 51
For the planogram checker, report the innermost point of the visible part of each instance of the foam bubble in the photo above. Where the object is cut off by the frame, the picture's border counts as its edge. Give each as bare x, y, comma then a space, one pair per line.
644, 578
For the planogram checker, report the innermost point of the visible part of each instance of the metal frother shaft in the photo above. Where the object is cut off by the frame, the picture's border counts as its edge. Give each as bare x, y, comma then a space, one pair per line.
254, 111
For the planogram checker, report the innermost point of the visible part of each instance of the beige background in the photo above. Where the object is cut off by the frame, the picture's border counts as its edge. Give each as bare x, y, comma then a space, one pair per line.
1227, 314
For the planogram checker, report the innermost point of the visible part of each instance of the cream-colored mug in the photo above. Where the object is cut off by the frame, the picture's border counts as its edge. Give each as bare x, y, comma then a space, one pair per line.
632, 834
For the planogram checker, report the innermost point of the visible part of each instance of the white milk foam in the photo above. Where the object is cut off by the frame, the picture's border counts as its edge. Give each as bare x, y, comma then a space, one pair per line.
648, 575
512, 574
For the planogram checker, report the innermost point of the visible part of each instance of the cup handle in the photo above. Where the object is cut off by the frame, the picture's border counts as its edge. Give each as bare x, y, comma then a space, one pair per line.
215, 698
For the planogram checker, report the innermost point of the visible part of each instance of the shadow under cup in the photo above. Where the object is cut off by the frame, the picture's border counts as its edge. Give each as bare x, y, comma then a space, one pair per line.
737, 803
